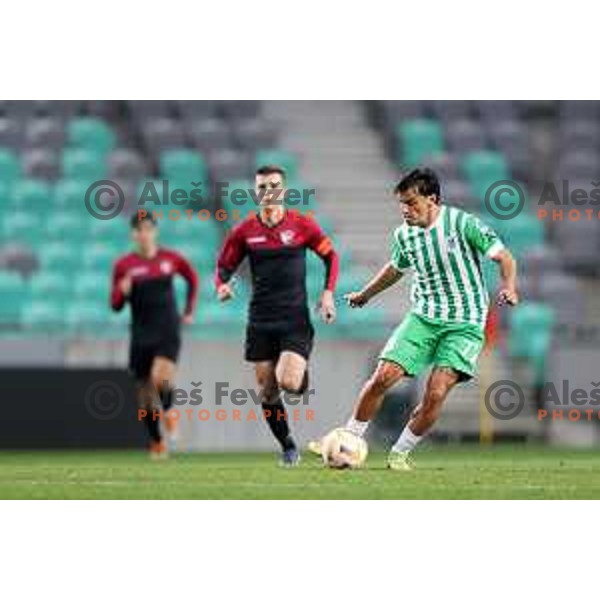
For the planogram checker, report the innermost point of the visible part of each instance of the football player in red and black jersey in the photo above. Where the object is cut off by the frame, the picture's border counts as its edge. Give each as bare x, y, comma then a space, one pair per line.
144, 279
279, 335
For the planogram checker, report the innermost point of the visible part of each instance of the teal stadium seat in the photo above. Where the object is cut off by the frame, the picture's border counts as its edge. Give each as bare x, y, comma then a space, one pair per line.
86, 316
86, 165
183, 166
530, 335
89, 133
483, 167
56, 284
10, 167
418, 139
60, 255
71, 226
30, 195
22, 227
44, 314
12, 293
69, 194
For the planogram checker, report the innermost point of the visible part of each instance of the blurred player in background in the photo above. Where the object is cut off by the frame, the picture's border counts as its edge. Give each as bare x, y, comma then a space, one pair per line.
144, 278
445, 327
279, 336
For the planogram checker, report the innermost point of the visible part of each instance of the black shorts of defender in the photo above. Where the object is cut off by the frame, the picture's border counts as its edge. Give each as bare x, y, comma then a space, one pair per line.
267, 343
142, 353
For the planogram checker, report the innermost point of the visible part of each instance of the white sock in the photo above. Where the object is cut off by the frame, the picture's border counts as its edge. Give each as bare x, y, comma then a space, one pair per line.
357, 427
407, 441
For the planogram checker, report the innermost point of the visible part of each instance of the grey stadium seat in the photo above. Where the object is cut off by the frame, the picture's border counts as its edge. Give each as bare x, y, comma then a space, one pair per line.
210, 134
192, 110
465, 136
445, 165
240, 109
451, 110
39, 163
11, 133
579, 109
45, 133
229, 165
162, 134
579, 165
253, 134
126, 164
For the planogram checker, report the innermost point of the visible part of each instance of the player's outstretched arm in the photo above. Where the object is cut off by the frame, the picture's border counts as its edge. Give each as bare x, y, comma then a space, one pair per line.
187, 271
229, 259
508, 274
385, 278
120, 288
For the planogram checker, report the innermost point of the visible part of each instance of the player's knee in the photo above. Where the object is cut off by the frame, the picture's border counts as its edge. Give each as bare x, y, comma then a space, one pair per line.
290, 382
382, 380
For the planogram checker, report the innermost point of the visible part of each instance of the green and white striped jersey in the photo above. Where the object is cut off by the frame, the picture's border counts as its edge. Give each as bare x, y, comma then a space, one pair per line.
446, 258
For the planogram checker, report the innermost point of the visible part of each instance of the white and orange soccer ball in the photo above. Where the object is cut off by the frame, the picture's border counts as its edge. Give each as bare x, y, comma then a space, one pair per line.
341, 449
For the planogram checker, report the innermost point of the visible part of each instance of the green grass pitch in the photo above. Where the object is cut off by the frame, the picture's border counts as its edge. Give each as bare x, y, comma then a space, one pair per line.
442, 472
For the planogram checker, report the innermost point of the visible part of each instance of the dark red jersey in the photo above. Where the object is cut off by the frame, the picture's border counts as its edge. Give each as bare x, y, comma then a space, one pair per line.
152, 298
277, 257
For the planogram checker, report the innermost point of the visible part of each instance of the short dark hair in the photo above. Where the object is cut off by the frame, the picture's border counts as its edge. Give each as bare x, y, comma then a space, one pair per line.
136, 220
271, 170
425, 181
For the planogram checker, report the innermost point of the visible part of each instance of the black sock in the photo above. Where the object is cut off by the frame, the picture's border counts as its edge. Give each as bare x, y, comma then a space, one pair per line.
166, 398
153, 428
276, 417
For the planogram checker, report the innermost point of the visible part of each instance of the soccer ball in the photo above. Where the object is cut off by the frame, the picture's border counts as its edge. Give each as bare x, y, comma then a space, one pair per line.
341, 449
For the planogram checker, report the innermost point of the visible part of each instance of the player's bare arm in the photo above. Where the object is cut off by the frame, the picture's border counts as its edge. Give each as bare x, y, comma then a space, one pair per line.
508, 273
385, 278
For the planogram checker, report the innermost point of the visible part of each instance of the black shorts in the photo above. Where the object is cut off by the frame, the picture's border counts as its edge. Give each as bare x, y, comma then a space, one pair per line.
143, 352
267, 343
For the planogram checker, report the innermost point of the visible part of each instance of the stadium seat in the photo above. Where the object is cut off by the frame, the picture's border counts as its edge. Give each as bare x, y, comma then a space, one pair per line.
465, 135
45, 314
99, 257
281, 158
92, 286
21, 227
31, 195
530, 334
62, 225
10, 168
11, 133
69, 194
12, 294
253, 134
56, 285
60, 255
183, 166
92, 134
86, 165
86, 316
418, 139
210, 134
40, 164
485, 165
126, 164
45, 133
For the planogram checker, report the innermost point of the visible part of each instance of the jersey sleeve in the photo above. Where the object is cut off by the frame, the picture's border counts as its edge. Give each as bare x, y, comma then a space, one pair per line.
117, 298
231, 255
187, 271
398, 258
320, 243
481, 237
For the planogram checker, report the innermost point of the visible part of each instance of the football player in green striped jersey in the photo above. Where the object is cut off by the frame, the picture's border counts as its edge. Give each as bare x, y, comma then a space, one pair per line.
443, 246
